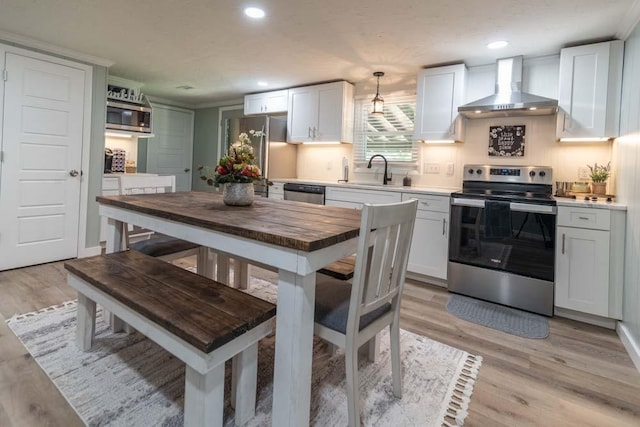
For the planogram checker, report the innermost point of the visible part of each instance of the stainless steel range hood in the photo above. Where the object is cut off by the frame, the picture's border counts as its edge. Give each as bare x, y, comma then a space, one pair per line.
509, 100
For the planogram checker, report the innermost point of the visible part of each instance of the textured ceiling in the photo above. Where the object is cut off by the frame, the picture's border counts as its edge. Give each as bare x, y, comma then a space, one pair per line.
211, 46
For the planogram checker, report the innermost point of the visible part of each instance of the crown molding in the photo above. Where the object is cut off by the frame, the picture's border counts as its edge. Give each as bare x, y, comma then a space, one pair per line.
54, 49
227, 103
629, 21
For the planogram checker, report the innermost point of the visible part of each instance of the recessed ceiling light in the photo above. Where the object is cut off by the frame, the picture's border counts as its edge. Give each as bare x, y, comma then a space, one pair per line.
498, 44
263, 83
254, 12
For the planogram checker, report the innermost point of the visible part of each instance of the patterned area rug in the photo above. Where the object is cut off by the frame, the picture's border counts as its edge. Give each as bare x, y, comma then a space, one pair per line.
496, 316
127, 380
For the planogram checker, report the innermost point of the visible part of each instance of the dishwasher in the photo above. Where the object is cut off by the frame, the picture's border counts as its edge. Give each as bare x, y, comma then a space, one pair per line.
307, 193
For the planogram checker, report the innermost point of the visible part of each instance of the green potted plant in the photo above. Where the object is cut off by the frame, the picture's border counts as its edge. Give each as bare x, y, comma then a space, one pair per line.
599, 175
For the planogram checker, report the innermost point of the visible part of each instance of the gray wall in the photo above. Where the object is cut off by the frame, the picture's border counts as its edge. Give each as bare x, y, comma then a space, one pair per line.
96, 162
628, 182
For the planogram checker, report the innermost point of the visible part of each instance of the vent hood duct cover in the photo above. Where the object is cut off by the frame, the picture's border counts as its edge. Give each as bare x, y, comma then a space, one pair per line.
509, 100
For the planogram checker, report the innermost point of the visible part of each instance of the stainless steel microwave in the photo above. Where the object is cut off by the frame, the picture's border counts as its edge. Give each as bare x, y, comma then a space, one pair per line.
128, 117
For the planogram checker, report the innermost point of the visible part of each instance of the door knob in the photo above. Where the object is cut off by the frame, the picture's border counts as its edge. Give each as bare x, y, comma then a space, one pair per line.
187, 170
73, 172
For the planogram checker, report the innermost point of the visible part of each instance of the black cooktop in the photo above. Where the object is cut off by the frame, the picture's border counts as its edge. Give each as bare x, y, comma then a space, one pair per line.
519, 193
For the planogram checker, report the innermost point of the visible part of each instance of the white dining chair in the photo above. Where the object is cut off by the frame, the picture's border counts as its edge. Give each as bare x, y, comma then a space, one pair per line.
150, 243
348, 315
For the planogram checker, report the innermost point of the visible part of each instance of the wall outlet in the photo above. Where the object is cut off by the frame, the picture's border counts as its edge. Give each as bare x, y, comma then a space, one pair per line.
431, 168
329, 165
584, 173
450, 169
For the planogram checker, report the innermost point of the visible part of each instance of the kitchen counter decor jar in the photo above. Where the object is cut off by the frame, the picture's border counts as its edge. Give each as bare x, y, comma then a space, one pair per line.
237, 171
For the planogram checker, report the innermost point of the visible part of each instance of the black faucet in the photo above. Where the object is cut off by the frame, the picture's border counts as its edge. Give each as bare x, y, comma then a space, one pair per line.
385, 179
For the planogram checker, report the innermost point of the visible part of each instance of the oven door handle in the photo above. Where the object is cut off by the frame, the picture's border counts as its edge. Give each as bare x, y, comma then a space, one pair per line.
526, 207
475, 203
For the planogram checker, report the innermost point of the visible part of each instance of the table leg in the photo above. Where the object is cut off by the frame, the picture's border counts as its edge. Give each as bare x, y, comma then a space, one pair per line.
294, 349
114, 244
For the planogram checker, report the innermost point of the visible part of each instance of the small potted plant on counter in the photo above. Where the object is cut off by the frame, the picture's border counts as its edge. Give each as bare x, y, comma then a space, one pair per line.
599, 175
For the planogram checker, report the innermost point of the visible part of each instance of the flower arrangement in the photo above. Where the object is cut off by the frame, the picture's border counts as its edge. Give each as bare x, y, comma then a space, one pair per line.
237, 166
599, 173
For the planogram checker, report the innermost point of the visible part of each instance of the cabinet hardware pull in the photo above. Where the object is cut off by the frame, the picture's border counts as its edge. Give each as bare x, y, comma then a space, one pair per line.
314, 132
187, 170
563, 236
583, 217
309, 133
444, 222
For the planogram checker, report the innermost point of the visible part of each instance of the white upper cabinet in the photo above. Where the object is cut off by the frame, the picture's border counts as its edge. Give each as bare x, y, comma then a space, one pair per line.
440, 91
321, 113
267, 102
589, 90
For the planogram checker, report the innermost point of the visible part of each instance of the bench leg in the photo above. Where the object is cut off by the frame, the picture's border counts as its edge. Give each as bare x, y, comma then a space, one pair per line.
204, 397
244, 377
86, 326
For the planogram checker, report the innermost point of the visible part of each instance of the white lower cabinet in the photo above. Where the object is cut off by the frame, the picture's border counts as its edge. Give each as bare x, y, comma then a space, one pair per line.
110, 187
430, 243
276, 191
355, 198
582, 270
429, 252
589, 254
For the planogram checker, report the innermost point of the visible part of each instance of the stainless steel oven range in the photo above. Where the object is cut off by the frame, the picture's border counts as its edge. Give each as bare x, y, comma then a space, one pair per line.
502, 236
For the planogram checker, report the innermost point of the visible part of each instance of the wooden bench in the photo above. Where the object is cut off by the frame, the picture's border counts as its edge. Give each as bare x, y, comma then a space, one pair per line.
201, 322
341, 269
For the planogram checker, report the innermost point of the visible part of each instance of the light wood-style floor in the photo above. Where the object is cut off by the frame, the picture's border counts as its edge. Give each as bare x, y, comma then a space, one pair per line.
579, 376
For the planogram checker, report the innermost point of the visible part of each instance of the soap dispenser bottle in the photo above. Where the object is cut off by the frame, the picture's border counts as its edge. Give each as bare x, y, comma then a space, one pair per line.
406, 181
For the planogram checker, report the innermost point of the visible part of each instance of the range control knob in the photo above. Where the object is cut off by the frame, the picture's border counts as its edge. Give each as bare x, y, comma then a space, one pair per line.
478, 171
542, 173
470, 171
532, 174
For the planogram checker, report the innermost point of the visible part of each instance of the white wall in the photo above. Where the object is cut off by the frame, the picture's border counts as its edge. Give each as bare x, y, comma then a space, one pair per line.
627, 153
322, 162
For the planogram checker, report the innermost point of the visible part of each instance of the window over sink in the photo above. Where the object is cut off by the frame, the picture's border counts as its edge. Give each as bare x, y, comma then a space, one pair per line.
390, 134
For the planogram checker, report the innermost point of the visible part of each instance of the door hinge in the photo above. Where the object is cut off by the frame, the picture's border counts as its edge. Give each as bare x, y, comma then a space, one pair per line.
5, 75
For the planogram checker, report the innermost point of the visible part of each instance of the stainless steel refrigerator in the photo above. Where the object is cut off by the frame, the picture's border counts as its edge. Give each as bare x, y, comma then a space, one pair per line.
275, 131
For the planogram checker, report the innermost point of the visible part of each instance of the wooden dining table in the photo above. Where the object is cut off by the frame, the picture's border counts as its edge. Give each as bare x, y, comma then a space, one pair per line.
295, 238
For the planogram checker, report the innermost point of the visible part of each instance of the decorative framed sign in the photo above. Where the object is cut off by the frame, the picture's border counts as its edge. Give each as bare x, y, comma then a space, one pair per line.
506, 141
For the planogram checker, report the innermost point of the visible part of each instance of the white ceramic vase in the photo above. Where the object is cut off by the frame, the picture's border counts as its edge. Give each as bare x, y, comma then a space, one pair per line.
238, 193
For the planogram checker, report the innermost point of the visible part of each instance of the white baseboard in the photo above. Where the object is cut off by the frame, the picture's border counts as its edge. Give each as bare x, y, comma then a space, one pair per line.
87, 252
630, 343
427, 279
591, 319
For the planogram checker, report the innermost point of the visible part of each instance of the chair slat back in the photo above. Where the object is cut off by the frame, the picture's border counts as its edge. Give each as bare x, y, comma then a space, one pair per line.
382, 257
143, 184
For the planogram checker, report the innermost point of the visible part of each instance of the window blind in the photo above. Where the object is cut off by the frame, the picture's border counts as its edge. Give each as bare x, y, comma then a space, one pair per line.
389, 134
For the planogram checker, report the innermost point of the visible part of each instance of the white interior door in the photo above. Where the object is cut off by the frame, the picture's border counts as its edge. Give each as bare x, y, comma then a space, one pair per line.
170, 152
42, 151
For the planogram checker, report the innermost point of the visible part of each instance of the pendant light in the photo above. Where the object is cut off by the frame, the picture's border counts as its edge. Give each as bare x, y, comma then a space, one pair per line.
377, 102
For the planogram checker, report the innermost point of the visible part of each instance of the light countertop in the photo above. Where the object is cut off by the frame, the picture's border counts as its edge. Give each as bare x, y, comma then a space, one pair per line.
561, 201
372, 186
601, 204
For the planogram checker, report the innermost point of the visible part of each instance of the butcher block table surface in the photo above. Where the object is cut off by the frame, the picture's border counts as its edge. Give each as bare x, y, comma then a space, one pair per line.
297, 239
289, 224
